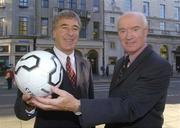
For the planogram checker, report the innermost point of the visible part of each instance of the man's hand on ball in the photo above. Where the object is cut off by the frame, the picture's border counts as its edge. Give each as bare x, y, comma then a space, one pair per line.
28, 101
64, 102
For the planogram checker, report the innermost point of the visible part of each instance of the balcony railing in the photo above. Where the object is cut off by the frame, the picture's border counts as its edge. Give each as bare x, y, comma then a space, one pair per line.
112, 28
163, 32
82, 13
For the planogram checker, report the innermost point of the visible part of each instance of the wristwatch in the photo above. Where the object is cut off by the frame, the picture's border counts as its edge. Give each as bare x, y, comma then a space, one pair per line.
78, 112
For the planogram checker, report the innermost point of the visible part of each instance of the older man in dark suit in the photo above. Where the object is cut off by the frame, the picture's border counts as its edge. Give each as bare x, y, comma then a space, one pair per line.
77, 76
138, 89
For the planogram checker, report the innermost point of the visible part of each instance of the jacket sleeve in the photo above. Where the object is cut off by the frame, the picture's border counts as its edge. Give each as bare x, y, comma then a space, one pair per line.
149, 88
20, 107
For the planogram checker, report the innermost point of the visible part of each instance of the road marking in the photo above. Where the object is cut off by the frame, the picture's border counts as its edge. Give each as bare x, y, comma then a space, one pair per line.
173, 95
8, 94
6, 105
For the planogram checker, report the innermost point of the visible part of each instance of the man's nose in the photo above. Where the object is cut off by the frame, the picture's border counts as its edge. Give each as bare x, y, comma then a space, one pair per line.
70, 31
129, 34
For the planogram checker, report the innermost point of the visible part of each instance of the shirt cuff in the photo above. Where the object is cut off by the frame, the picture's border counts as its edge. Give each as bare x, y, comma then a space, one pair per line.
30, 113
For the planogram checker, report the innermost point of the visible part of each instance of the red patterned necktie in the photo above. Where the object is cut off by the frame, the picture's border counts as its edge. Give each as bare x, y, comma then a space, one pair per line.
71, 74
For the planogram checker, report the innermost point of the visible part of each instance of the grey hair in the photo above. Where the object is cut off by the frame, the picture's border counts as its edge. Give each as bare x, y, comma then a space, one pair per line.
66, 14
141, 15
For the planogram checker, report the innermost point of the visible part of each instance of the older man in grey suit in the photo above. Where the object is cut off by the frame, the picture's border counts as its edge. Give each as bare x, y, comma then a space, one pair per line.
78, 82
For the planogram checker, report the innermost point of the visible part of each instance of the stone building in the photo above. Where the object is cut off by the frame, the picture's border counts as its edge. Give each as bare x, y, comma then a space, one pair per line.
26, 25
164, 28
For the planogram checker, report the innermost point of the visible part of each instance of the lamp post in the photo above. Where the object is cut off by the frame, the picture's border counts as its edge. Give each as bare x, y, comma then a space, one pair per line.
103, 51
35, 25
34, 42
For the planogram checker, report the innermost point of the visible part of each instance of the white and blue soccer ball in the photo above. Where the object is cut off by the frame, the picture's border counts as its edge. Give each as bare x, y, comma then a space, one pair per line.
36, 71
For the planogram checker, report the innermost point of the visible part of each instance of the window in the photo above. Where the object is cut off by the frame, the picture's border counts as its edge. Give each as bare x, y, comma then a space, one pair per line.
146, 8
162, 26
44, 26
4, 62
95, 5
113, 3
17, 58
177, 13
149, 23
44, 3
162, 11
83, 29
4, 48
112, 45
1, 26
73, 4
128, 5
61, 3
112, 20
2, 3
177, 27
164, 51
112, 60
23, 3
22, 48
23, 25
96, 30
83, 4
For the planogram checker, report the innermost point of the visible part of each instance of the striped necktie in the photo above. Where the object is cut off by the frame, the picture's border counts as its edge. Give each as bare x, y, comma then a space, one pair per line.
124, 67
71, 74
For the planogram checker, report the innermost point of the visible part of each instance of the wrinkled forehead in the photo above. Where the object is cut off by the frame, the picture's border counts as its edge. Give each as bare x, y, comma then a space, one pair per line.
67, 19
132, 19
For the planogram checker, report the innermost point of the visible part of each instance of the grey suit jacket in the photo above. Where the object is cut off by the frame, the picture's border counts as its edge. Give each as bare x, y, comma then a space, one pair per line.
84, 81
136, 99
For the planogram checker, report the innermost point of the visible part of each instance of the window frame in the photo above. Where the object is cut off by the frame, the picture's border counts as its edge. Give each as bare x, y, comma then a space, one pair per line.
23, 25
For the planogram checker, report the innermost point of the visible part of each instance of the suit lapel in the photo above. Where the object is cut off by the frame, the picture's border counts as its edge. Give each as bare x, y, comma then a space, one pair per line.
137, 62
81, 75
78, 61
117, 74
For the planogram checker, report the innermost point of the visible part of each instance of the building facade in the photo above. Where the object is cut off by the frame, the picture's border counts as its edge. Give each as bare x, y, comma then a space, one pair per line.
26, 25
164, 28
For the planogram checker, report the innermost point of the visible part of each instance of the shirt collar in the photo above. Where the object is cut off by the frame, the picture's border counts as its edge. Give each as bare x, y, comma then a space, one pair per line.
134, 56
62, 56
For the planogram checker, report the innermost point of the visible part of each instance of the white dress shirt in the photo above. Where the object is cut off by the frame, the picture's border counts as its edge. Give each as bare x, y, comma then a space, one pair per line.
62, 57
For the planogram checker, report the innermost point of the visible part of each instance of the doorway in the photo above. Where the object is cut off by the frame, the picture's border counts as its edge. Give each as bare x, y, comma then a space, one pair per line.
93, 59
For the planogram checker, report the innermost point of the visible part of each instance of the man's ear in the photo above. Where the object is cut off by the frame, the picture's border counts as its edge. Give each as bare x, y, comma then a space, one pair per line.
53, 34
146, 30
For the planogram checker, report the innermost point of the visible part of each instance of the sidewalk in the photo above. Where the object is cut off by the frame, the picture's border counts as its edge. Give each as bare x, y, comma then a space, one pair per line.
171, 115
8, 119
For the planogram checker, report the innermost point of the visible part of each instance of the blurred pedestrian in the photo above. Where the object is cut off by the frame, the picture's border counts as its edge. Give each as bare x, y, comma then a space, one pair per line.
107, 70
102, 70
9, 76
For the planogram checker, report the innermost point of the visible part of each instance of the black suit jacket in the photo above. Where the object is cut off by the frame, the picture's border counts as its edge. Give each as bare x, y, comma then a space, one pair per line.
136, 99
61, 119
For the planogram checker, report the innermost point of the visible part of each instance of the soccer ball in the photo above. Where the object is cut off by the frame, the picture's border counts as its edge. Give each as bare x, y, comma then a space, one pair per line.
36, 71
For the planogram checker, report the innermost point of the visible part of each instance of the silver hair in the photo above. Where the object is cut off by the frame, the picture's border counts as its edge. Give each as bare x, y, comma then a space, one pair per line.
141, 15
66, 14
